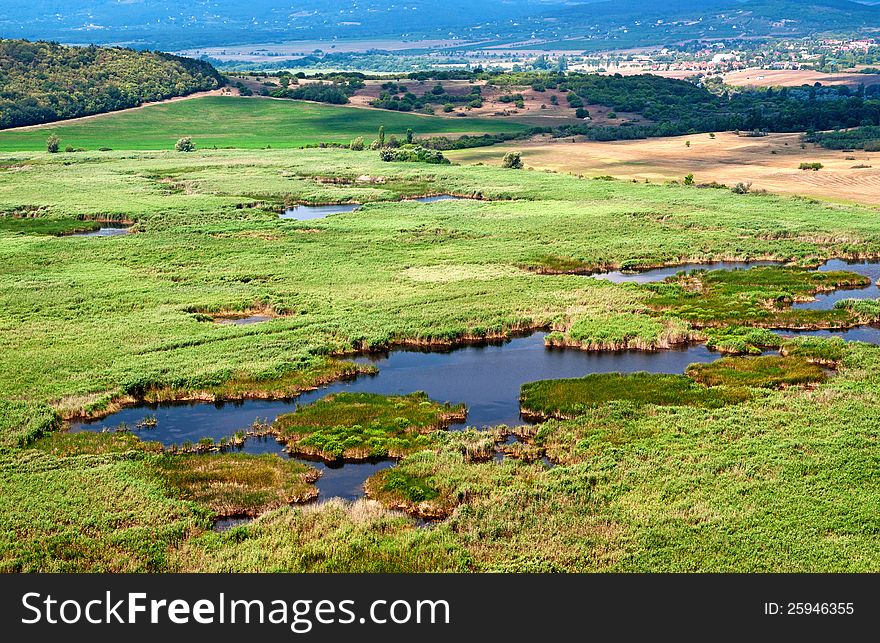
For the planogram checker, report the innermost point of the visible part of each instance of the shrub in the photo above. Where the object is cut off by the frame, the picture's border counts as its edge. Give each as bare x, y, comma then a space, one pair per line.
52, 144
413, 154
357, 144
741, 188
512, 161
689, 179
185, 144
811, 166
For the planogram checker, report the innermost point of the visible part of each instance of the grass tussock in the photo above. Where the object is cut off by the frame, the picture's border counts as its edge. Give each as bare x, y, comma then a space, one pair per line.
434, 484
356, 426
741, 340
770, 371
568, 398
65, 445
625, 331
237, 484
828, 351
334, 536
758, 297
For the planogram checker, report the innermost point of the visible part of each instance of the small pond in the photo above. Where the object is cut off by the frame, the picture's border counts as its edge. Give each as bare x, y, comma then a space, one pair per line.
106, 230
307, 212
486, 377
659, 274
242, 321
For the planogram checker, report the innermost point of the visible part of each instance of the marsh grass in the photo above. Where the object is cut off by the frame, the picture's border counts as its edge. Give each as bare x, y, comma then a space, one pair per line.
625, 331
365, 425
769, 371
636, 488
741, 340
65, 445
828, 351
23, 422
434, 484
758, 296
268, 386
40, 226
236, 484
333, 536
566, 398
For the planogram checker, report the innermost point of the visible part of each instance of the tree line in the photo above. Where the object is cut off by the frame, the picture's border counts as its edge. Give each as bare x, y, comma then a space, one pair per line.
41, 82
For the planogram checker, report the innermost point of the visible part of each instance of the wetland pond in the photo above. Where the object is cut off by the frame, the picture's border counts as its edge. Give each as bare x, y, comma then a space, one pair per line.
308, 212
106, 230
487, 378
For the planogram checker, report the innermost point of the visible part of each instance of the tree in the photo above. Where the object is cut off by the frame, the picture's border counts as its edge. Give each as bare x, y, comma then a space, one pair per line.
185, 144
581, 113
52, 144
409, 136
381, 138
689, 179
512, 161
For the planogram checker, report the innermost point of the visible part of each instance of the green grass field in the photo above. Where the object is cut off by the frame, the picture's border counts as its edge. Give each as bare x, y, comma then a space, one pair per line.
230, 121
791, 474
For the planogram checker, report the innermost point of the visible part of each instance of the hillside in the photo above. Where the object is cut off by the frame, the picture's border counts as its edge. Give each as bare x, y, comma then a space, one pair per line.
246, 123
43, 82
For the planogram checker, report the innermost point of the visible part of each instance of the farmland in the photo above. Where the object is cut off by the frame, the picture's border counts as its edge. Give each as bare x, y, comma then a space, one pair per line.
768, 162
232, 121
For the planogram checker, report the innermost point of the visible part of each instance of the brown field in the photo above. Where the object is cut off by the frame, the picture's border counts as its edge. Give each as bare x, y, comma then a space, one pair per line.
796, 78
769, 163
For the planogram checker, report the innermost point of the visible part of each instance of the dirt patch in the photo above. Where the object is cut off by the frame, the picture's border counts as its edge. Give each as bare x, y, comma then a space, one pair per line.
796, 78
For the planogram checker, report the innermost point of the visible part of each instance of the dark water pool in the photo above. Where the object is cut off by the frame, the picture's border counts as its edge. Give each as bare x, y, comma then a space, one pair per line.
307, 212
486, 378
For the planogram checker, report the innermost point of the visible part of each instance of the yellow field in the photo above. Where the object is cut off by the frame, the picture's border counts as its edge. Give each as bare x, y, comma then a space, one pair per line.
796, 77
769, 163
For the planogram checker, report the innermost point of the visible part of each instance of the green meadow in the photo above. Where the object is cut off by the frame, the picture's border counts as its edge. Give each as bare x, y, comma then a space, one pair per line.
231, 121
785, 480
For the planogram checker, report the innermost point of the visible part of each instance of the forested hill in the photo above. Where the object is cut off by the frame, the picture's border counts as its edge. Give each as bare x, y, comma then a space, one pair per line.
42, 82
